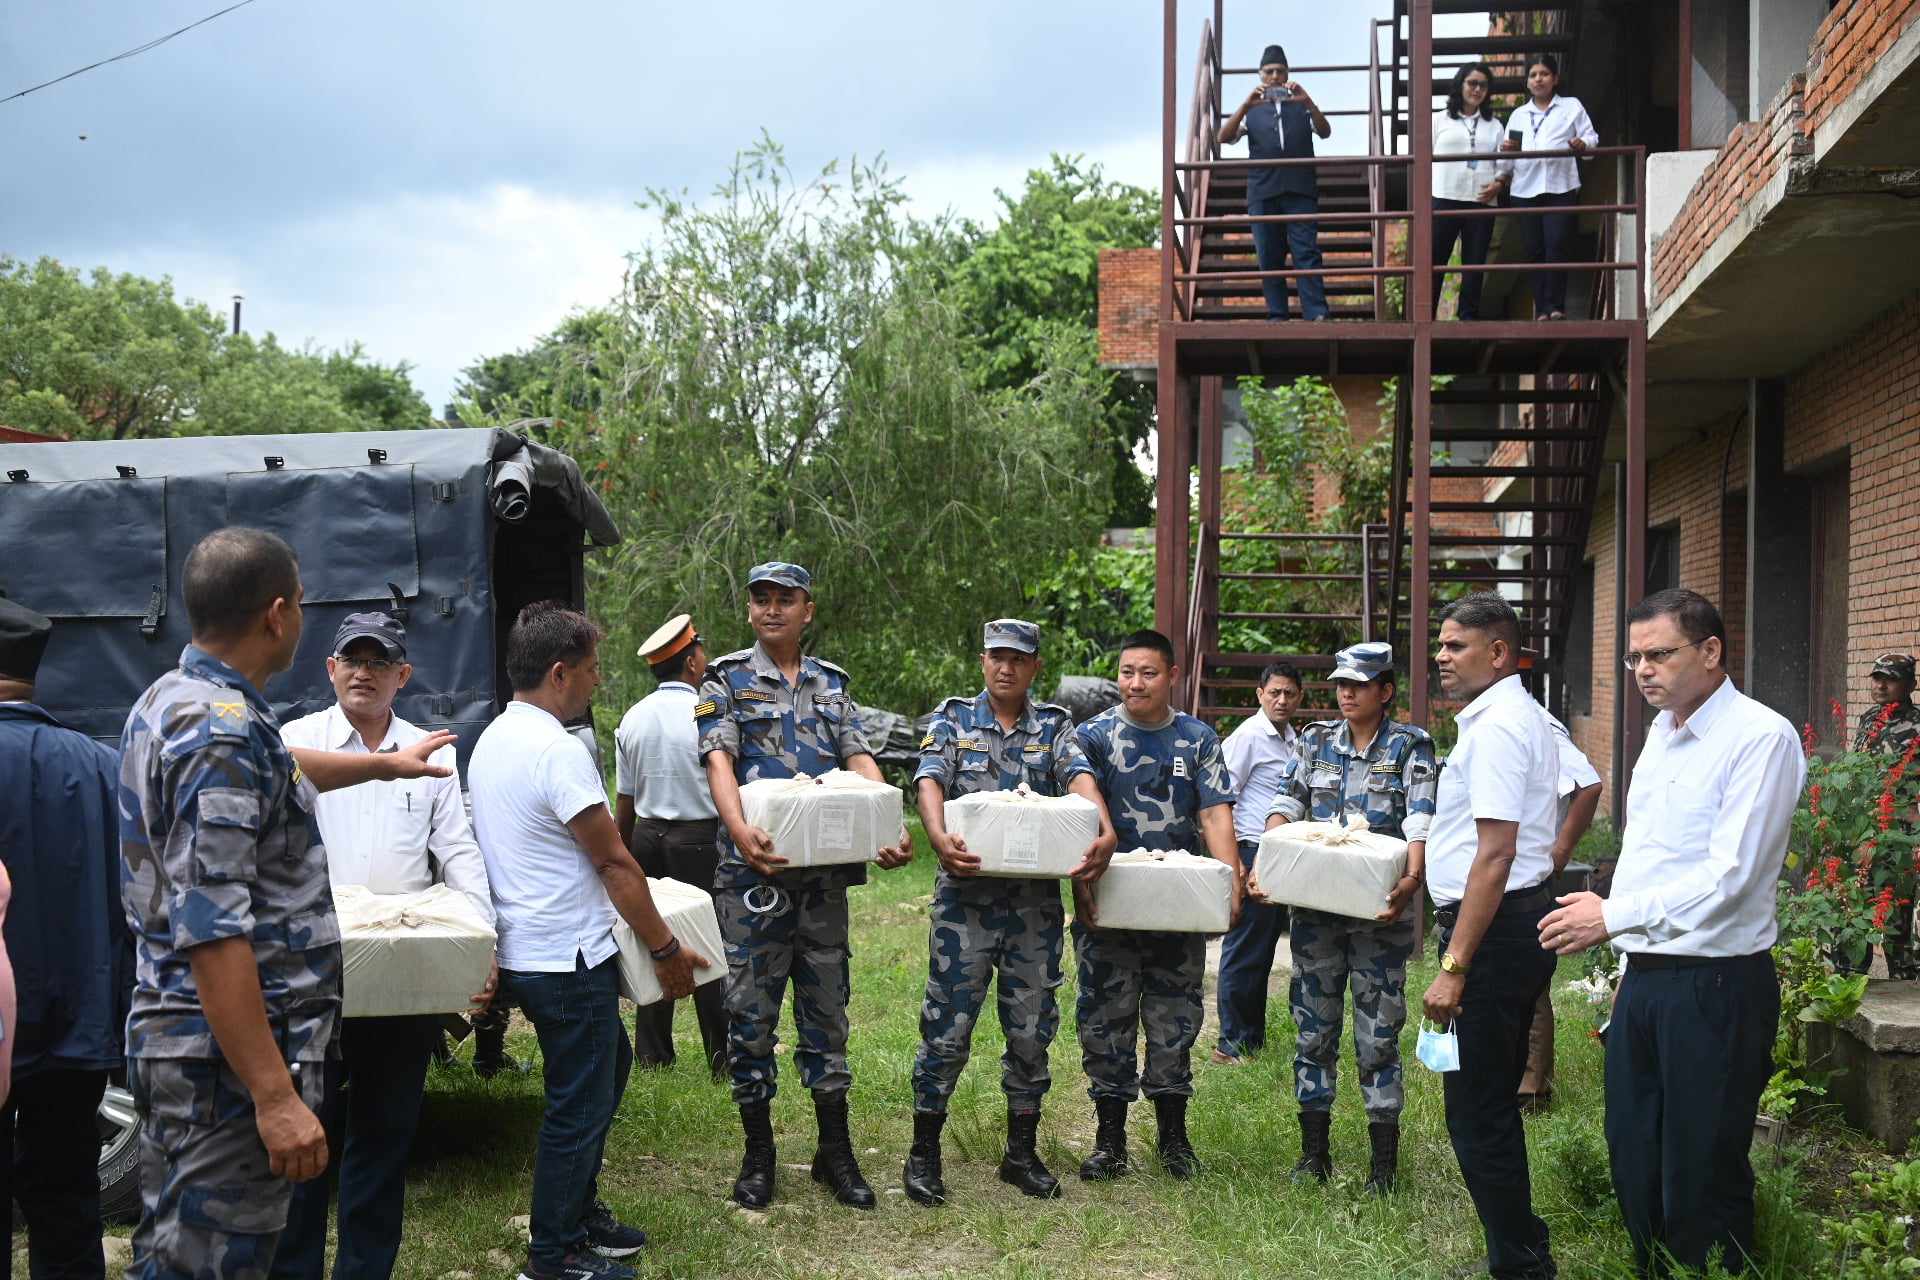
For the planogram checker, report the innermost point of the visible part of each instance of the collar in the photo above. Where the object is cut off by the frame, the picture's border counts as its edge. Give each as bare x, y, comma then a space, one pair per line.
1286, 732
197, 662
764, 666
674, 684
341, 733
1343, 739
1705, 716
519, 708
983, 714
1547, 110
30, 711
1498, 691
1143, 726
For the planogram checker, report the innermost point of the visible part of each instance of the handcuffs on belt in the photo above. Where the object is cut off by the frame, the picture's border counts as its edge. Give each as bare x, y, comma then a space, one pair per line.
777, 905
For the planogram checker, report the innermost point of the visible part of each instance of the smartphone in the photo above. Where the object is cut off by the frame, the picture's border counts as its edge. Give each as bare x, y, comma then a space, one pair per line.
1600, 1034
1278, 93
1516, 137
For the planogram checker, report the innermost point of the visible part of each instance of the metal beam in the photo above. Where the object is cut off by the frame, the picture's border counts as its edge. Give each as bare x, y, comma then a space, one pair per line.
1169, 561
1633, 724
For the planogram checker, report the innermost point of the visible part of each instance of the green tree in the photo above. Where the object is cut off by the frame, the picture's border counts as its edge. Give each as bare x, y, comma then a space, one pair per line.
557, 374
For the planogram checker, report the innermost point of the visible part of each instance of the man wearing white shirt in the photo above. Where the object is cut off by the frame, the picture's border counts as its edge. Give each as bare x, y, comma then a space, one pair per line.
1692, 906
1489, 861
560, 877
392, 837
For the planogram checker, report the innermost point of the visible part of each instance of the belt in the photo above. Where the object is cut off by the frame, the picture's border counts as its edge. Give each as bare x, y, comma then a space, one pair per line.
694, 824
1534, 895
1654, 960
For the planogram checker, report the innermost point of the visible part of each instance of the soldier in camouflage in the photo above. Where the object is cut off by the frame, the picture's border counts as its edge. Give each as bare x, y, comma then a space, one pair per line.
995, 741
237, 991
1892, 726
1365, 763
773, 711
1165, 781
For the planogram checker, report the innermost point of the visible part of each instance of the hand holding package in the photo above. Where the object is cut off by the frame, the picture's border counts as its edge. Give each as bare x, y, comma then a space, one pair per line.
815, 822
410, 953
1342, 868
1018, 833
1164, 892
689, 912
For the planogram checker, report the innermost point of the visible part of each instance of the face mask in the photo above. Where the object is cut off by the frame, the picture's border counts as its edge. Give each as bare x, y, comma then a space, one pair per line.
1438, 1050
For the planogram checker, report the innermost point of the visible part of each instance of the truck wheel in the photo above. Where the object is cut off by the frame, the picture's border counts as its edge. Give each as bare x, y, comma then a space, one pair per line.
119, 1127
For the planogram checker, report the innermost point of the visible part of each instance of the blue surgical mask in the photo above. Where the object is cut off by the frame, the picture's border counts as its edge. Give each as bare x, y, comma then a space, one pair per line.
1438, 1050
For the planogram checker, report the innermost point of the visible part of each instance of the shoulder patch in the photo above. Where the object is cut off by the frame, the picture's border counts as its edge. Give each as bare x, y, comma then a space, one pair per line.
705, 708
926, 742
227, 716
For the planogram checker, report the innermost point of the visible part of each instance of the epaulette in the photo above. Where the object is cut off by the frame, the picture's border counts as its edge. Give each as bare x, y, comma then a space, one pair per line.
954, 703
737, 656
1054, 707
837, 670
227, 716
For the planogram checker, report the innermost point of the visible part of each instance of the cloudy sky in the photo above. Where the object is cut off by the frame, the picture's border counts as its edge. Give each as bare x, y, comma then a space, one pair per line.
443, 181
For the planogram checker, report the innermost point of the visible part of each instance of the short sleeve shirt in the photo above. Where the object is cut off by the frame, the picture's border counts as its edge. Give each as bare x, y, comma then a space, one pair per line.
1391, 784
1156, 781
218, 840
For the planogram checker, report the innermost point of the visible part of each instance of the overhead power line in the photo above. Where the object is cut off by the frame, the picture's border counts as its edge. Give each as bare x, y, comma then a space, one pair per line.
134, 52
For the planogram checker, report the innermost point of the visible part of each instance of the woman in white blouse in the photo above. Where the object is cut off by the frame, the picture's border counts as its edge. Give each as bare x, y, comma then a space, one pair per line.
1467, 127
1550, 122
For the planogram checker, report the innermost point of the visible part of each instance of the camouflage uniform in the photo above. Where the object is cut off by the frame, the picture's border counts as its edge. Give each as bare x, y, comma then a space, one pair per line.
1894, 736
1156, 782
217, 840
981, 923
793, 925
1392, 784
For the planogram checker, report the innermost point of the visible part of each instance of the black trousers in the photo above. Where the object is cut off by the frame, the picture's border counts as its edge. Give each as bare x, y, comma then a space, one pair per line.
683, 851
1547, 237
50, 1165
1475, 237
1688, 1054
1509, 972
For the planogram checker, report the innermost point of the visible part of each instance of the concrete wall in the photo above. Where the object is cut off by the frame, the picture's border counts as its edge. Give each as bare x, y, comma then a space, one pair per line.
1778, 33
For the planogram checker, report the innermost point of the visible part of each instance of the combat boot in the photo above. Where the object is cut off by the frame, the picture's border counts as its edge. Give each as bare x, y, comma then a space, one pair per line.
753, 1189
833, 1162
1176, 1153
1109, 1158
1021, 1166
921, 1176
1316, 1157
1385, 1137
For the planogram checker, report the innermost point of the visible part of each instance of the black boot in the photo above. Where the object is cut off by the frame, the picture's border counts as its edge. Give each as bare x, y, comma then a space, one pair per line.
921, 1176
1109, 1158
1316, 1158
1176, 1153
833, 1163
753, 1189
1021, 1166
1385, 1137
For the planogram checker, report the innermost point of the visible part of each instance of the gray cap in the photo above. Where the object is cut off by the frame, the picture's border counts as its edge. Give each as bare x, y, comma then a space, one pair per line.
383, 627
1011, 633
781, 574
1896, 666
1363, 662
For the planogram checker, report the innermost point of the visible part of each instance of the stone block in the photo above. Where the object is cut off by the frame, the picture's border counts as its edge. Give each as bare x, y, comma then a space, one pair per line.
1876, 1058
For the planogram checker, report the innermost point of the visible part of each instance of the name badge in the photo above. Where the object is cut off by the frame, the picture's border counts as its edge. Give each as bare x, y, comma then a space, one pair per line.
752, 695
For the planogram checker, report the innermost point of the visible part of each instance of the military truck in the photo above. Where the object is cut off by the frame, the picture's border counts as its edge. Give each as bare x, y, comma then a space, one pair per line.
453, 530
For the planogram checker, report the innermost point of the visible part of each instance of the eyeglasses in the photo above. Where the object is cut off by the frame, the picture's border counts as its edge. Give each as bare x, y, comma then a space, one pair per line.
378, 666
1657, 657
1473, 82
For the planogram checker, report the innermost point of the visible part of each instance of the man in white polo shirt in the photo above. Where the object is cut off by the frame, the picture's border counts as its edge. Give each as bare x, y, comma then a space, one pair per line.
392, 837
560, 877
1692, 906
1489, 864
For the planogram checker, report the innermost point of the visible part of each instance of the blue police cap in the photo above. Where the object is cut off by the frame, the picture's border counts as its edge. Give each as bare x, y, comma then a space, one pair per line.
781, 574
1011, 633
1363, 662
381, 627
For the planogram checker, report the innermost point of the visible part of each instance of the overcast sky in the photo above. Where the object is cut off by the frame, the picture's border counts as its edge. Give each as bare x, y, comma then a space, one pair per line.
443, 181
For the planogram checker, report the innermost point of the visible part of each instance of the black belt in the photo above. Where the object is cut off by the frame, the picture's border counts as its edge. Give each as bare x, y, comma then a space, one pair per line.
676, 824
1651, 960
1534, 895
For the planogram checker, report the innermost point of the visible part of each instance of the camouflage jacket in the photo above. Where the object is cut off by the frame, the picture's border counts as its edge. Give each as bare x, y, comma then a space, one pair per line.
1392, 784
772, 729
1156, 781
218, 840
1902, 726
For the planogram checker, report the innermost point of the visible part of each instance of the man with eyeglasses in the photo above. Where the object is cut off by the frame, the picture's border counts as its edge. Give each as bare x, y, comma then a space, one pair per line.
391, 837
1708, 816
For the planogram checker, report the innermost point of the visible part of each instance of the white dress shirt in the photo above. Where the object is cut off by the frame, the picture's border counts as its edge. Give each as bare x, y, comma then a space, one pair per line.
1707, 824
1469, 136
1576, 771
1549, 128
657, 757
391, 836
1506, 768
529, 777
1257, 752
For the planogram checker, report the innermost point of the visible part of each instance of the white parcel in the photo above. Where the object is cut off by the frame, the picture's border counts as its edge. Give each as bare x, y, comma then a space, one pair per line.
688, 911
1018, 833
837, 817
410, 953
1341, 868
1166, 892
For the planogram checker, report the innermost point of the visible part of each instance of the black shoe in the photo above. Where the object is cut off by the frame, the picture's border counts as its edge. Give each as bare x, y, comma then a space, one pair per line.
1384, 1135
1316, 1158
1109, 1158
753, 1189
1176, 1152
921, 1175
608, 1236
1021, 1166
833, 1163
578, 1266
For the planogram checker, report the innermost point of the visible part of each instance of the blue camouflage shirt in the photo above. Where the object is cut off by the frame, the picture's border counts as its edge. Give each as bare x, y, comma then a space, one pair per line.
218, 840
1392, 783
1156, 781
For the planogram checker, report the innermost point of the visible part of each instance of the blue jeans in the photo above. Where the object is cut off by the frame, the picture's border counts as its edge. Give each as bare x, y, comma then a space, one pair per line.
1246, 962
1274, 241
586, 1057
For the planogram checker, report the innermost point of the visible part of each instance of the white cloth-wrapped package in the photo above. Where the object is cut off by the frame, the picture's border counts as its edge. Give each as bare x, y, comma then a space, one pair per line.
1166, 892
688, 911
1340, 868
411, 953
1018, 833
815, 822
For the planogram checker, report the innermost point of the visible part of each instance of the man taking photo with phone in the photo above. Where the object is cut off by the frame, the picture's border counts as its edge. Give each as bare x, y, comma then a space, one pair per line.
1280, 120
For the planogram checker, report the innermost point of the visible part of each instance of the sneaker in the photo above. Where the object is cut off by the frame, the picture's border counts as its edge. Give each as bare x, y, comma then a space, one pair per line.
1221, 1058
608, 1236
578, 1266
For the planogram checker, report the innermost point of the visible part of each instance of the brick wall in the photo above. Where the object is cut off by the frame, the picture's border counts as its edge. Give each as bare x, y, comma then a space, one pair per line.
1129, 308
1853, 37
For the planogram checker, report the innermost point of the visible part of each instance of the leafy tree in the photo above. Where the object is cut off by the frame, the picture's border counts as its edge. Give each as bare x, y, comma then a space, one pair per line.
557, 374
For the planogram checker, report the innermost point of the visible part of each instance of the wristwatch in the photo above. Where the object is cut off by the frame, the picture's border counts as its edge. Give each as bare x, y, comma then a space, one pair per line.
1450, 965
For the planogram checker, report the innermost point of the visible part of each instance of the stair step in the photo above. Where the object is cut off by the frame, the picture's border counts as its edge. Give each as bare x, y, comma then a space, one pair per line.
1517, 473
1257, 616
1500, 540
1496, 49
1504, 508
1503, 433
1340, 311
1516, 395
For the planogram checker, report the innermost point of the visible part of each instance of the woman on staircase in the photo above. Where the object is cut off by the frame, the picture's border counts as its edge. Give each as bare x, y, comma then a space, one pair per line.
1467, 128
1548, 122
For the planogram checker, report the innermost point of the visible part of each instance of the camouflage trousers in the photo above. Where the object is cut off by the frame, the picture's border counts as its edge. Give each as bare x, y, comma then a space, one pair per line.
1330, 953
775, 935
210, 1209
1016, 927
1131, 978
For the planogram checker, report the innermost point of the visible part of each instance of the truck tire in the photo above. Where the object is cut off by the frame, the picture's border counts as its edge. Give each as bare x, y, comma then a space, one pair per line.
119, 1127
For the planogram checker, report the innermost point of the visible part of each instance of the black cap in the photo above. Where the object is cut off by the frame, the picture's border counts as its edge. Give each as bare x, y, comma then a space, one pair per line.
1274, 53
372, 626
23, 638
